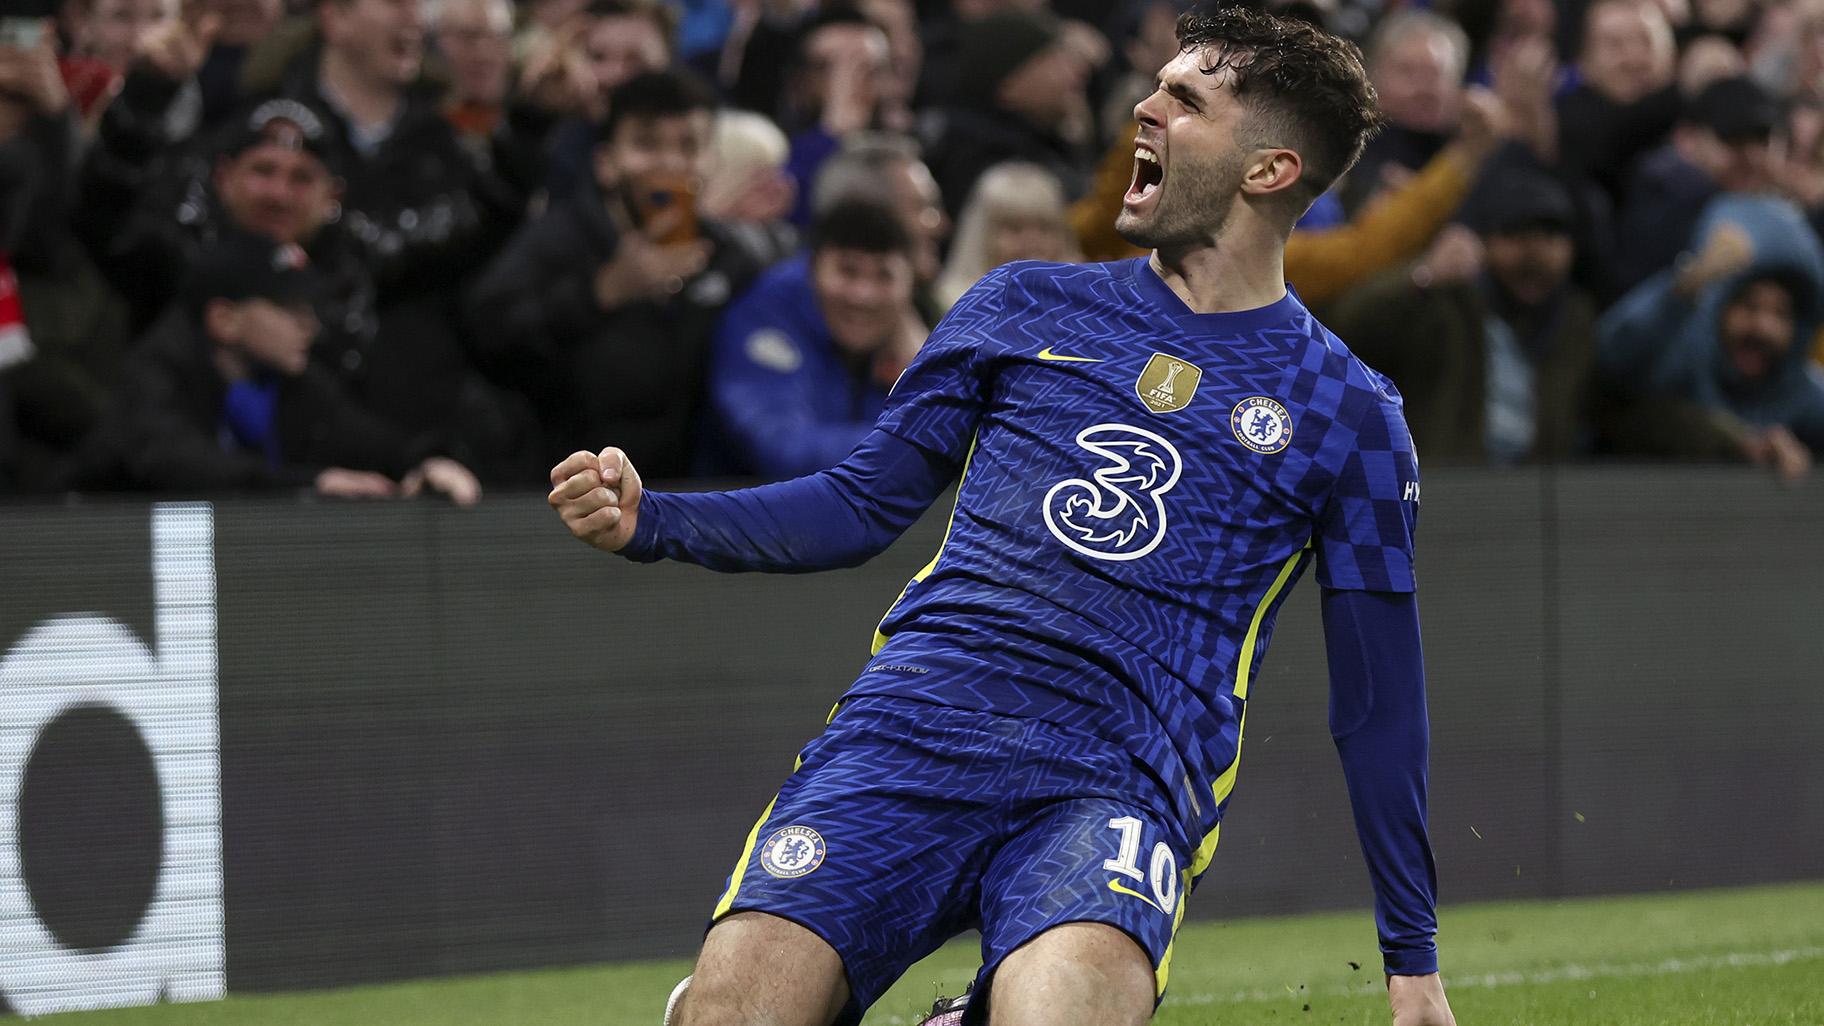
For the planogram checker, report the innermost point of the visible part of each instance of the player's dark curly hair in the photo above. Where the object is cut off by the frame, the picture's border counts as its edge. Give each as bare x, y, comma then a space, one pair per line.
1305, 90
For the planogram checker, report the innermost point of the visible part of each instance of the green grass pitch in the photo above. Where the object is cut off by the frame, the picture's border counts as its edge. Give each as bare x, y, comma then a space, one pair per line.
1752, 957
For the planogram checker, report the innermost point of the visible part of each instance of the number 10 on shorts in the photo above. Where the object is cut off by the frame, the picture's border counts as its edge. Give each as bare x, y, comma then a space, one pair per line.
1163, 869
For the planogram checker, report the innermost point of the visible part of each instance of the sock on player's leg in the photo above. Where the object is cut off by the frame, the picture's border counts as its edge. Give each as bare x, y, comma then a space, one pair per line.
671, 1003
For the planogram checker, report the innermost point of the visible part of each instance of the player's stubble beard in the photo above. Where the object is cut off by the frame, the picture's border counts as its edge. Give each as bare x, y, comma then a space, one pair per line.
1192, 208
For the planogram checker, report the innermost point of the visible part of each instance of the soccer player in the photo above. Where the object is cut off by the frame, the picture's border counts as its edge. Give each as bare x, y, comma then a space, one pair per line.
1150, 453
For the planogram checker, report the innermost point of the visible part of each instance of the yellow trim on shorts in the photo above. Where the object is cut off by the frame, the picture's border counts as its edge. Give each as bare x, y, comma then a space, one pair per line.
747, 850
1163, 971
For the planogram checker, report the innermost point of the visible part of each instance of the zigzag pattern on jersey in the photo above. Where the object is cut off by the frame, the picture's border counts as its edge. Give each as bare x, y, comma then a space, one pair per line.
1143, 652
940, 820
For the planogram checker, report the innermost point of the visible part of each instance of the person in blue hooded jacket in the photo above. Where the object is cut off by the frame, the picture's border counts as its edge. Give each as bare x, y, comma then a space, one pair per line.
1712, 351
803, 361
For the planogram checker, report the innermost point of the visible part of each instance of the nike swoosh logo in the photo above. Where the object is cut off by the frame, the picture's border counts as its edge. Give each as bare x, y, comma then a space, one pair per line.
1120, 888
1047, 354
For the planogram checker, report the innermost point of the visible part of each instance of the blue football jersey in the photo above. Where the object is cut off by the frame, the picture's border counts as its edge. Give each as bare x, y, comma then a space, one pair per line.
1142, 486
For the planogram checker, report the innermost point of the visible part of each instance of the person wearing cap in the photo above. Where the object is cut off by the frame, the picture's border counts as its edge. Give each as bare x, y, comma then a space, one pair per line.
223, 396
1020, 87
275, 168
1492, 346
1708, 357
1724, 144
271, 168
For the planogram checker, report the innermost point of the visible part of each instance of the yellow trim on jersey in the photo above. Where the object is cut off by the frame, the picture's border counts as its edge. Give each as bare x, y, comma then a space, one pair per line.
1246, 665
880, 639
1224, 785
747, 850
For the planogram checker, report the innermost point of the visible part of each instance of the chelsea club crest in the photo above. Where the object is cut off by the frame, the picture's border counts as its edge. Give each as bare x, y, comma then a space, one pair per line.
792, 852
1262, 425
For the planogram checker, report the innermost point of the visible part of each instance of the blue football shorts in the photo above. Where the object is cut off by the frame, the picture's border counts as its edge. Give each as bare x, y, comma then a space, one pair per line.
907, 823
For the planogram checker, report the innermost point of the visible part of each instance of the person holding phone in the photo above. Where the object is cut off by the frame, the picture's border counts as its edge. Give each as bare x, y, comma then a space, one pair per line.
601, 311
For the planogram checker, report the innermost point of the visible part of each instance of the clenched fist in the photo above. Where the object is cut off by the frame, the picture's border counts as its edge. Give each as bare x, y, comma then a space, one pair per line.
598, 495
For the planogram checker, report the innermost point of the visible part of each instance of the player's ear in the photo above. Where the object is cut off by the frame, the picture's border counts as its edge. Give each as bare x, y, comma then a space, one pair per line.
1272, 171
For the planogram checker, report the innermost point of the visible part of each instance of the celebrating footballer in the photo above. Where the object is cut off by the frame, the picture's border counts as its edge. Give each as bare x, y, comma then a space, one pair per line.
1150, 453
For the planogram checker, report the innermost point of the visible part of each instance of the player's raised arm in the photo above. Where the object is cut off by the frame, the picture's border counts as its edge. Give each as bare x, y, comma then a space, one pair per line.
834, 518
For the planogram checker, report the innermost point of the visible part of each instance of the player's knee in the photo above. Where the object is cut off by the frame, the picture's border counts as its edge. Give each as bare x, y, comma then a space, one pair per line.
1097, 971
760, 970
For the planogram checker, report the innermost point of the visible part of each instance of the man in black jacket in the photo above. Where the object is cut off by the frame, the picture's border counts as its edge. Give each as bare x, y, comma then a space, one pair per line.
602, 310
1021, 84
398, 212
222, 395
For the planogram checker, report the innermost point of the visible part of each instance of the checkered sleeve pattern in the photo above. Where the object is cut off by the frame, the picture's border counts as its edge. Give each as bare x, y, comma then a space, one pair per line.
1365, 533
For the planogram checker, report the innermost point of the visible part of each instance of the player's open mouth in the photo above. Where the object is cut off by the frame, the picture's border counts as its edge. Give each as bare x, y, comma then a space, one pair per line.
1149, 175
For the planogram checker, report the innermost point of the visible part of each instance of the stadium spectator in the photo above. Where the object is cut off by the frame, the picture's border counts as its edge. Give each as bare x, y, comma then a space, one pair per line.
1016, 213
886, 169
109, 31
1020, 91
222, 395
757, 56
1705, 60
803, 362
943, 32
235, 28
747, 187
1417, 61
832, 91
91, 77
1323, 264
62, 331
1725, 142
1491, 346
1514, 23
147, 213
475, 40
602, 310
610, 43
1627, 100
1713, 351
424, 211
1732, 20
905, 61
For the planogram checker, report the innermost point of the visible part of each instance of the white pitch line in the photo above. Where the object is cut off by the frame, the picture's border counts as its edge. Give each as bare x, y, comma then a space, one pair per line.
1556, 974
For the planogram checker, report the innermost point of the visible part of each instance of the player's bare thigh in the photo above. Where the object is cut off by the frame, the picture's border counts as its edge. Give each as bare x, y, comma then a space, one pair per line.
1077, 974
760, 970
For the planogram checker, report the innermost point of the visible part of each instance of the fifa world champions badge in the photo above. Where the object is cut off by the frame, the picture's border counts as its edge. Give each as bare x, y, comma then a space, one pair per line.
1167, 383
1262, 425
792, 852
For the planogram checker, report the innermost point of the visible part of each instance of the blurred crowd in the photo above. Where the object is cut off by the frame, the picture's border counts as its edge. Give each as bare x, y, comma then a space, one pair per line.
391, 247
